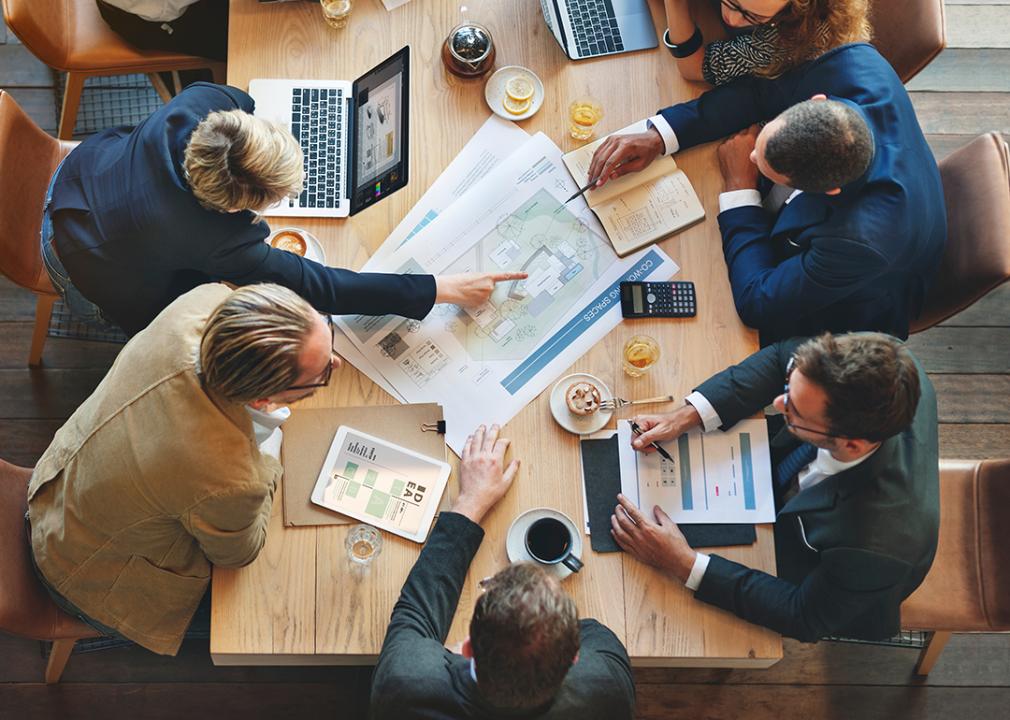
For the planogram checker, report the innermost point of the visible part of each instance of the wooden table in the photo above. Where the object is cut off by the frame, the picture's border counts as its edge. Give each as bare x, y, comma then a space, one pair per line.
299, 602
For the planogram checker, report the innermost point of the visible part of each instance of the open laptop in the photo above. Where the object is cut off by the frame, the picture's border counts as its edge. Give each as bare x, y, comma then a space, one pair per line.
589, 28
353, 136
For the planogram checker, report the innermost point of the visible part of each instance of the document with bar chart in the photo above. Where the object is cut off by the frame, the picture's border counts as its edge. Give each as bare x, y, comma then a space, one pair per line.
382, 484
716, 477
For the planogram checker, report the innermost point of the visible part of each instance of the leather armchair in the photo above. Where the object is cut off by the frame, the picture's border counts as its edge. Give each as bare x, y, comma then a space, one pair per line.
968, 587
909, 33
70, 35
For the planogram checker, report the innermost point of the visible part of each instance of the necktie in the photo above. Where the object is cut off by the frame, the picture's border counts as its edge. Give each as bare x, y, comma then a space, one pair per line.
792, 463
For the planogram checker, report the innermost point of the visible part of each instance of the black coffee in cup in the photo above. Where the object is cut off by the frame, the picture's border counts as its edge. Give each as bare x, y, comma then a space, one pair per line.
548, 540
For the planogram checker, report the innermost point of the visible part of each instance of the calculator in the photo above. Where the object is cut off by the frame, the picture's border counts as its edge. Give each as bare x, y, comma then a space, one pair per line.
658, 299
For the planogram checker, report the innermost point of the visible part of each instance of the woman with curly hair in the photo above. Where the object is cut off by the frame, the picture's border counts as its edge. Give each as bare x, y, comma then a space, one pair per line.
765, 37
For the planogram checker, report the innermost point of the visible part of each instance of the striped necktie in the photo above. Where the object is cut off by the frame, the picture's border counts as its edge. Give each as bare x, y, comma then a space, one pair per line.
791, 465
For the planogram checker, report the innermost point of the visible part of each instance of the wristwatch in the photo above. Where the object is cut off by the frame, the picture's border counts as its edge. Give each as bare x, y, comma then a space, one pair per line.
688, 47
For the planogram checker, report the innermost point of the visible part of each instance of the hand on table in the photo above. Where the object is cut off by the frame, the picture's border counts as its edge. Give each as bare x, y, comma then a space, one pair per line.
738, 170
659, 543
470, 289
668, 426
634, 152
483, 477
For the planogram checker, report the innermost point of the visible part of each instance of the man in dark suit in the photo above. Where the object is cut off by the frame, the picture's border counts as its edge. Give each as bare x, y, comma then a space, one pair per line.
134, 218
852, 232
857, 472
528, 655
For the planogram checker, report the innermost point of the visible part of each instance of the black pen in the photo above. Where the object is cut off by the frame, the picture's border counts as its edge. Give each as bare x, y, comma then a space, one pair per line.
659, 448
592, 182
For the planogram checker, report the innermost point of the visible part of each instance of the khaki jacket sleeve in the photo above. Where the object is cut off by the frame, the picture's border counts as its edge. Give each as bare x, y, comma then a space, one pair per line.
231, 525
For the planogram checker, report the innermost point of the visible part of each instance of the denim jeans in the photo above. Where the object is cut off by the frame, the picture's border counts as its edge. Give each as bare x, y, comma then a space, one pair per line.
80, 307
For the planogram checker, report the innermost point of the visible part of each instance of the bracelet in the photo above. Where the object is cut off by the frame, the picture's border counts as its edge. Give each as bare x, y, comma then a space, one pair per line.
688, 47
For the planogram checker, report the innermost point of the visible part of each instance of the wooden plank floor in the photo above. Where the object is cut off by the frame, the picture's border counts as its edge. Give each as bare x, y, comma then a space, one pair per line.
966, 91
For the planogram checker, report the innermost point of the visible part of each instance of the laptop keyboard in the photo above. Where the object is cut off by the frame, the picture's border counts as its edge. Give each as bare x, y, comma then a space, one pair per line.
595, 27
317, 120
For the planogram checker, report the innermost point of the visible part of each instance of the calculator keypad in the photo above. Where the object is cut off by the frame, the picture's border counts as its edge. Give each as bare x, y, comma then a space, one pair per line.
670, 299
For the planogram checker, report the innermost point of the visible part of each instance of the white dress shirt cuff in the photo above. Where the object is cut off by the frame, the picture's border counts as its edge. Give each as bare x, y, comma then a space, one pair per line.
710, 419
670, 142
738, 198
697, 572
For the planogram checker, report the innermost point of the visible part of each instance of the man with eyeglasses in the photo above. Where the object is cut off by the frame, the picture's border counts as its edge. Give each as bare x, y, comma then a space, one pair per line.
160, 473
857, 483
527, 655
832, 213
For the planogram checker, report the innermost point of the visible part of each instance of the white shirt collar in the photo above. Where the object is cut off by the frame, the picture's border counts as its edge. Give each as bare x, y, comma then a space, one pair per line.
825, 465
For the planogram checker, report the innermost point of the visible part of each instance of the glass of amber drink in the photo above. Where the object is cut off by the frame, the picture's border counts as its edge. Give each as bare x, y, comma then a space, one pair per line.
641, 352
583, 115
336, 12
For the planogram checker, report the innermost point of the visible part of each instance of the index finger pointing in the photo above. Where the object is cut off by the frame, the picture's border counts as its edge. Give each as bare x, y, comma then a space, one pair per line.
501, 277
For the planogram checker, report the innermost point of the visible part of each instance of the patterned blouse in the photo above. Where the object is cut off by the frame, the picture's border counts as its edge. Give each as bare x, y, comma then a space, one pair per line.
727, 60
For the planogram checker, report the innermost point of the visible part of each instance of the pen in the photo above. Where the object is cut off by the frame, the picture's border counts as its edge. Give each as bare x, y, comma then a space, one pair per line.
592, 182
659, 448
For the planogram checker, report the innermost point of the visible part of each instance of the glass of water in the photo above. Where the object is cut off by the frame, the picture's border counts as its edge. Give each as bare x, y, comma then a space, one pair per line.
336, 12
364, 543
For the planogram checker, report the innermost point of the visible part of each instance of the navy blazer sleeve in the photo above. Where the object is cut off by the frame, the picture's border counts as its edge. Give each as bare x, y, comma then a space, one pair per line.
743, 389
247, 259
846, 583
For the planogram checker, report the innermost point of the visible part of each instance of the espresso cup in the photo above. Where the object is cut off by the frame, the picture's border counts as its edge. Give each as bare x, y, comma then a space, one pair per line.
549, 541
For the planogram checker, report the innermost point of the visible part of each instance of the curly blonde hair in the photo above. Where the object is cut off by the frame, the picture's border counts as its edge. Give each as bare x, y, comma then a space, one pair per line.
809, 28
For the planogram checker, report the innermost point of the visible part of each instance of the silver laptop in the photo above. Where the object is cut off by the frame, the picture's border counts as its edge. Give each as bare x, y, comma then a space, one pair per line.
589, 28
353, 136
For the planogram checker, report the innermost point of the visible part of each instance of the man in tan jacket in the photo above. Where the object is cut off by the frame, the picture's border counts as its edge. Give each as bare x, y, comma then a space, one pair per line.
158, 475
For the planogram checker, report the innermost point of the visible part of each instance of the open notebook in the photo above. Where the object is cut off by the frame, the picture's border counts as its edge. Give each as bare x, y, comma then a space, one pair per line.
640, 208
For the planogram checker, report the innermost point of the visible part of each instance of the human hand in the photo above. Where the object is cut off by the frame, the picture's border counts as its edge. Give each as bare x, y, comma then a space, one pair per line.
470, 289
659, 543
738, 170
634, 152
482, 481
657, 428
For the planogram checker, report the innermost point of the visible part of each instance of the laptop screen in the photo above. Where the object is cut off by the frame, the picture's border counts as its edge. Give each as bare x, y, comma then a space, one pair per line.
380, 131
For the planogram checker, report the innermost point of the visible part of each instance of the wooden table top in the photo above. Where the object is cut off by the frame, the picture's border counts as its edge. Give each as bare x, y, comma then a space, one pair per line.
300, 602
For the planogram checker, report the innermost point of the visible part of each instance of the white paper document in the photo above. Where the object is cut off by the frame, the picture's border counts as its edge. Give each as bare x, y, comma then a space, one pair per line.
715, 477
496, 140
485, 364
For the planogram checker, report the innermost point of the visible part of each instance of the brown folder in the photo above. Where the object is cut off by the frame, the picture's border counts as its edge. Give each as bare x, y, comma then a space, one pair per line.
308, 435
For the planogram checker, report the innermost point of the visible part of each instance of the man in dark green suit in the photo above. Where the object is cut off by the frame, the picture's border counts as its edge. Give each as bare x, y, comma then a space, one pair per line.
857, 480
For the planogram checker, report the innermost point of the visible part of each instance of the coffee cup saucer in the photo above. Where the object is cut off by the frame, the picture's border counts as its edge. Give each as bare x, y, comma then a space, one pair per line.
313, 248
515, 542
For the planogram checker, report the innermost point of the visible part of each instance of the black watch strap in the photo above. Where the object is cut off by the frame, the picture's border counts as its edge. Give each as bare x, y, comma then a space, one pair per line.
686, 48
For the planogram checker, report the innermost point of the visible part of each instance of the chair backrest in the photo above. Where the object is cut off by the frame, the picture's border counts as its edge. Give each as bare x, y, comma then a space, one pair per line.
25, 607
976, 188
42, 25
28, 158
909, 33
968, 586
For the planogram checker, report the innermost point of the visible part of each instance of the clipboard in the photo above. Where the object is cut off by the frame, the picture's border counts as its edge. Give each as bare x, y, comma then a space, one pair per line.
308, 434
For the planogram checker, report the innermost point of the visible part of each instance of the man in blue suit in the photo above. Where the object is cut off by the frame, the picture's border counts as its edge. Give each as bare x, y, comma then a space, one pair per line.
851, 233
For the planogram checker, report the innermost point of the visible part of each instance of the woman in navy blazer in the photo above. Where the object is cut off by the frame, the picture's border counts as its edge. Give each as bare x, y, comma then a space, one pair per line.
132, 233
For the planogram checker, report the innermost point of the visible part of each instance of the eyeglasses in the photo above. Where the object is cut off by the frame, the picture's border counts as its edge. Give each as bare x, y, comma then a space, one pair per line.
328, 372
752, 18
785, 406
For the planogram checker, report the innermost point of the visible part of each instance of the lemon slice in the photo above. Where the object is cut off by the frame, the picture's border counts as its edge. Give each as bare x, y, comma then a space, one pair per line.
519, 88
516, 107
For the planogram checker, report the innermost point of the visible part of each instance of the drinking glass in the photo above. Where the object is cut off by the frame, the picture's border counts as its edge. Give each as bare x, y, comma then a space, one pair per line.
641, 352
336, 12
583, 115
364, 543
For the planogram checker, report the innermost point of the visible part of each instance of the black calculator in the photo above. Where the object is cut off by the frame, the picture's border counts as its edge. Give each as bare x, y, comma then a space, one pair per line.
658, 299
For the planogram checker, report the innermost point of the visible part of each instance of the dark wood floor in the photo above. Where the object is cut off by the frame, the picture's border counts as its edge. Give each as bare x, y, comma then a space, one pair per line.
964, 92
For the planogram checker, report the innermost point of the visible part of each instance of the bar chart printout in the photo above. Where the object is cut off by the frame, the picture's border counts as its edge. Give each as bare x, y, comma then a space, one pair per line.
716, 477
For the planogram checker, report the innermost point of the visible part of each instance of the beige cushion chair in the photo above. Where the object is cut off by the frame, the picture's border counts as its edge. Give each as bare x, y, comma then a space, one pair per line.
25, 607
909, 33
968, 586
28, 158
976, 187
70, 35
